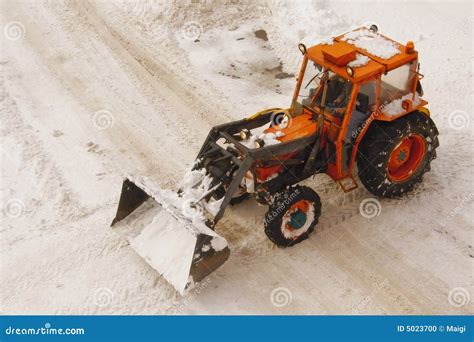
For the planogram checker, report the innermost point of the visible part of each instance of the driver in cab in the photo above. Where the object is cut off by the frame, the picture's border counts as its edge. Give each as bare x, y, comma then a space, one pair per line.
338, 95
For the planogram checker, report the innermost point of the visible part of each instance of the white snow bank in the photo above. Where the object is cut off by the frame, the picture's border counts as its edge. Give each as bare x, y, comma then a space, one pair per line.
372, 42
395, 107
360, 60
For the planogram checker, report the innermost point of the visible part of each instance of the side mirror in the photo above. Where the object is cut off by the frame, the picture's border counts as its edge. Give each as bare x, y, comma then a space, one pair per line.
362, 104
419, 88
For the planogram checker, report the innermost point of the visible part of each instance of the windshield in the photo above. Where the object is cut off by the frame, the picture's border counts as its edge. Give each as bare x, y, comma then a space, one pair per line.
322, 87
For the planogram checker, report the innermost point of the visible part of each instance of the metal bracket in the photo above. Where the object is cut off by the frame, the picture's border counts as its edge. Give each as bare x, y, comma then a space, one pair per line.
352, 186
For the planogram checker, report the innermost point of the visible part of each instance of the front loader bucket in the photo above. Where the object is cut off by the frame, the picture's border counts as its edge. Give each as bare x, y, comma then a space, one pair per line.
181, 249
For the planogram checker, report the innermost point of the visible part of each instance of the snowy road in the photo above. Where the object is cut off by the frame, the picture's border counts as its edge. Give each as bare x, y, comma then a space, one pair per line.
91, 92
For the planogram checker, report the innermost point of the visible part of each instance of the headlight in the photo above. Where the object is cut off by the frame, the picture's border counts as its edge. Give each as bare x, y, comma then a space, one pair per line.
259, 143
350, 71
302, 48
244, 134
374, 28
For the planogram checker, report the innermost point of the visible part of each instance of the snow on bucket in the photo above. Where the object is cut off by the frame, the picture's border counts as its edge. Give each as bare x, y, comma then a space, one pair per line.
178, 245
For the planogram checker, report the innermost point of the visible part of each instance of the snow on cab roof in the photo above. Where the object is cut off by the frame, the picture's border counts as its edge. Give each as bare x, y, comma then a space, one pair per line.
366, 51
372, 42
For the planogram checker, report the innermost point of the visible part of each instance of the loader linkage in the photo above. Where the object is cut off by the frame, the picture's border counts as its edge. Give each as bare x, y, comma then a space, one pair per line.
229, 162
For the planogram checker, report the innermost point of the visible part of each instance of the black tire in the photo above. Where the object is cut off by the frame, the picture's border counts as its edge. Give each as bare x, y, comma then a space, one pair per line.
279, 212
381, 140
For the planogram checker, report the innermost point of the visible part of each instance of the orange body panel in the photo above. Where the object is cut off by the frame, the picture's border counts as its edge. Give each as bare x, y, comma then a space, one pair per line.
299, 126
384, 117
263, 173
339, 54
315, 53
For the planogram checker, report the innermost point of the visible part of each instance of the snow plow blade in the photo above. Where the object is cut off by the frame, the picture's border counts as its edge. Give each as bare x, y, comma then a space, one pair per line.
183, 250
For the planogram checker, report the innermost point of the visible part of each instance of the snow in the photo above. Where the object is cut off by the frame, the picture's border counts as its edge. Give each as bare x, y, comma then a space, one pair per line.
272, 138
373, 43
168, 247
218, 244
169, 242
269, 138
213, 206
360, 60
395, 107
164, 92
326, 41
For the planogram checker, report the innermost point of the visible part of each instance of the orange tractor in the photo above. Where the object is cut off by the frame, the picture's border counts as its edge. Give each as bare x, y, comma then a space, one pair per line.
357, 101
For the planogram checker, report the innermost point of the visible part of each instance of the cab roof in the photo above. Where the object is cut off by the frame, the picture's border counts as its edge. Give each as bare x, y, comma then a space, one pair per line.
366, 51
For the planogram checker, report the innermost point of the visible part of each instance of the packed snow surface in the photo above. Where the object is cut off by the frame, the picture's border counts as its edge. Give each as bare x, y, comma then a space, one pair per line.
326, 41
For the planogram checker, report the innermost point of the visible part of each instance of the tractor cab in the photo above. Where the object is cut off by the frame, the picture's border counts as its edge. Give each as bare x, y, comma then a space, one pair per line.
352, 80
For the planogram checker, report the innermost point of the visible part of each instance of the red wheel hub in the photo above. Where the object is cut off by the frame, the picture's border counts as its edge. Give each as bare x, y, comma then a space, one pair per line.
406, 157
297, 214
297, 219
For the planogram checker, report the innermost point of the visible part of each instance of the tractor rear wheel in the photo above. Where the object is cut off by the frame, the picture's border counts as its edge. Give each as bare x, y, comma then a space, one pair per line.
292, 216
394, 156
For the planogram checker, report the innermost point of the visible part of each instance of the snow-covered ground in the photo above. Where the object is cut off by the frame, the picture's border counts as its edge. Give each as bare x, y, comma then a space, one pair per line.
92, 91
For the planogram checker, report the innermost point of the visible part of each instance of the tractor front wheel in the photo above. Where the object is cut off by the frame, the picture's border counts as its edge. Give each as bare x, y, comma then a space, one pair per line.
292, 216
393, 156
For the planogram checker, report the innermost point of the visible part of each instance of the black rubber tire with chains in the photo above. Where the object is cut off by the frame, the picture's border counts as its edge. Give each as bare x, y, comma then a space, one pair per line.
281, 203
379, 142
